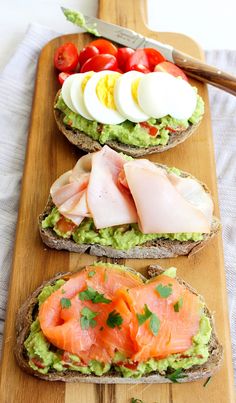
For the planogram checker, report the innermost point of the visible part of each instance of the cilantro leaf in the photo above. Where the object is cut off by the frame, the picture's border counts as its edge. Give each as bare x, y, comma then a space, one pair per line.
92, 295
178, 305
87, 318
174, 376
154, 324
114, 319
143, 317
164, 290
91, 273
65, 303
154, 320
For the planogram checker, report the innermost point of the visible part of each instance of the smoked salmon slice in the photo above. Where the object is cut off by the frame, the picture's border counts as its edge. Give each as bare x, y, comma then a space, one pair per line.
103, 309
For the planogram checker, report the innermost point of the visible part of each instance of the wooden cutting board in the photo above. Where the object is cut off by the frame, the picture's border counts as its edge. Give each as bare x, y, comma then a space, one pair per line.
48, 155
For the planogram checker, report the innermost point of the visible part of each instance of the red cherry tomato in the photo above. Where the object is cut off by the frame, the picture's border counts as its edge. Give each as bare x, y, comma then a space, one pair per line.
140, 67
65, 226
171, 68
63, 76
99, 63
148, 57
66, 57
122, 56
152, 130
104, 46
86, 53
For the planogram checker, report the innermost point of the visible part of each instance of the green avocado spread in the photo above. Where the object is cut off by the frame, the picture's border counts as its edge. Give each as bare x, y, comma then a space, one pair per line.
122, 237
77, 18
43, 357
127, 132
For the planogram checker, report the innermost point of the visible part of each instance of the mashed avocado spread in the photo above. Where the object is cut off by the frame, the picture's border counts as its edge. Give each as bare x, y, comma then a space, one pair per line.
128, 132
43, 357
122, 237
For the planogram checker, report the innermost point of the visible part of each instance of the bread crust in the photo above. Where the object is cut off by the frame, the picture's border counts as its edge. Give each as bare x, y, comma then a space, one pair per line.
86, 143
26, 316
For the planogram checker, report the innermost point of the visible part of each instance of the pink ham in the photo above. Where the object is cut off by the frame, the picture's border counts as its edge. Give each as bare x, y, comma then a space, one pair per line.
160, 207
107, 203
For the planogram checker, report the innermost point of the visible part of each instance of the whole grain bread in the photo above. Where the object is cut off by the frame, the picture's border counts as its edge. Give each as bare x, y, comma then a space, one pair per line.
86, 143
155, 249
28, 312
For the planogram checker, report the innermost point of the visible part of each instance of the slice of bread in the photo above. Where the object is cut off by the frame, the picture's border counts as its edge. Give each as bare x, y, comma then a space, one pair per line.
155, 249
86, 143
28, 312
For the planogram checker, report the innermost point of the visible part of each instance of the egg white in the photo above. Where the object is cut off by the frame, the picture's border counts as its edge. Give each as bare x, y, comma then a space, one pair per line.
184, 100
95, 107
65, 91
124, 100
155, 93
77, 96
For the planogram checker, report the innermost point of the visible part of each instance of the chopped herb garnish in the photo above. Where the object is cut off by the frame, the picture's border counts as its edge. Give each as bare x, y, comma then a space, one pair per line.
92, 295
164, 290
154, 320
178, 374
65, 303
154, 324
145, 316
114, 319
207, 381
63, 291
178, 305
133, 400
91, 273
87, 318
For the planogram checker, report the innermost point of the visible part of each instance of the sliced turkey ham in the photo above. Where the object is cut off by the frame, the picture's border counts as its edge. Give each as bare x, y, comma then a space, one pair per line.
161, 208
113, 191
108, 204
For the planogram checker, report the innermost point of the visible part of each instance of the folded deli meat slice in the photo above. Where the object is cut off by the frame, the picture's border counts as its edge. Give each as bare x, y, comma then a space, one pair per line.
128, 316
109, 205
114, 190
160, 205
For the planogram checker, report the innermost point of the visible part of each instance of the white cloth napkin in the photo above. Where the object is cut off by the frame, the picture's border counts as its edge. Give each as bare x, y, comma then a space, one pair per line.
16, 89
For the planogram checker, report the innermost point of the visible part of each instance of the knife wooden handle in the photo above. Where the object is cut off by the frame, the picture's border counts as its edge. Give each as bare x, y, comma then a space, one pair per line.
203, 72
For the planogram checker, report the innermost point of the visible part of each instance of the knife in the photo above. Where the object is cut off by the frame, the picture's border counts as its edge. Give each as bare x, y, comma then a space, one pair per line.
127, 37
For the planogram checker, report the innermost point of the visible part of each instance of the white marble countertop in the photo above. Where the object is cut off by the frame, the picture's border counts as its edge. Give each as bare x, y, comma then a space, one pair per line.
213, 28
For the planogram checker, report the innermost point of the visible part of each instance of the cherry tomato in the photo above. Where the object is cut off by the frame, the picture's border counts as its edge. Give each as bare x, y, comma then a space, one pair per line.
148, 57
66, 57
171, 68
63, 76
64, 225
122, 56
152, 130
86, 53
140, 67
99, 63
104, 46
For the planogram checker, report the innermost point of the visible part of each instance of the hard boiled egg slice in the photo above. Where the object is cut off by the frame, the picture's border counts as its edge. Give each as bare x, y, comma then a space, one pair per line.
77, 93
155, 93
126, 96
184, 100
99, 97
65, 91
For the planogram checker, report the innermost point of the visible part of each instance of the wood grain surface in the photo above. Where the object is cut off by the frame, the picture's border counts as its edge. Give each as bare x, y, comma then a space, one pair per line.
48, 155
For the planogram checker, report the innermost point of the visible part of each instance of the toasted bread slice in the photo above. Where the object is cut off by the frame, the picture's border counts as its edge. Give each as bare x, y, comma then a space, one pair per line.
28, 311
155, 249
86, 143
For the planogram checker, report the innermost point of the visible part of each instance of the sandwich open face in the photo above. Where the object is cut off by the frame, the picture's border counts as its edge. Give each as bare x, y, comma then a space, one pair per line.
114, 206
134, 113
108, 324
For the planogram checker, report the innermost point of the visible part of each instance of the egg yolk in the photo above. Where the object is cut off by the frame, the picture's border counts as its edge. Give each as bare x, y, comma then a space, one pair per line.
105, 90
85, 80
134, 89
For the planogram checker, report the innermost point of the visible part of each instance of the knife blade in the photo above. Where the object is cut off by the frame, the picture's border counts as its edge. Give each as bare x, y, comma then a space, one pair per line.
127, 37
